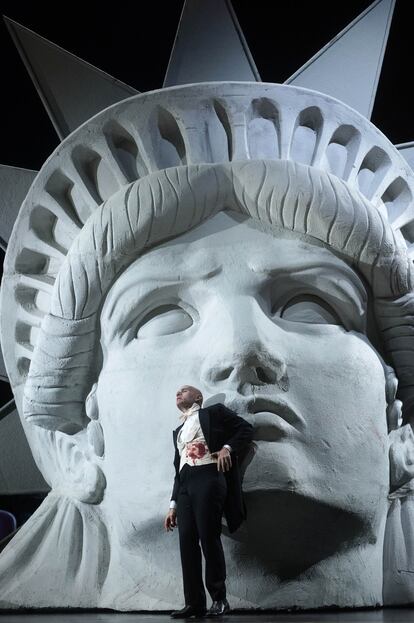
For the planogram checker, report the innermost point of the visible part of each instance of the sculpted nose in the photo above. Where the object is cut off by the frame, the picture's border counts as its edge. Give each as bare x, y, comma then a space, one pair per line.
253, 367
241, 358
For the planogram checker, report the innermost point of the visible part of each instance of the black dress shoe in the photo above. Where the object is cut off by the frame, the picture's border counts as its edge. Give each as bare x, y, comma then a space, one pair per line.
187, 612
218, 608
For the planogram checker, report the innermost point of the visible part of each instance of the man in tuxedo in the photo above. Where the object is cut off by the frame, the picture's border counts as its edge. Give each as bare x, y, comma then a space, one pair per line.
207, 484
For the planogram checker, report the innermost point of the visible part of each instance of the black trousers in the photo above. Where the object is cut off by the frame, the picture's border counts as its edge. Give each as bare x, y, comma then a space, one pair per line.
201, 497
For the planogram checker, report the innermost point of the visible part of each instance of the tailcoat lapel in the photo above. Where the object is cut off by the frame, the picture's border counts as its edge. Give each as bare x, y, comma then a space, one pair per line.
204, 417
175, 433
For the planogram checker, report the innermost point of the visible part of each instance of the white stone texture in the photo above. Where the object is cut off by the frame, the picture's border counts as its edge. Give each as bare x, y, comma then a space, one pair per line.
253, 240
18, 472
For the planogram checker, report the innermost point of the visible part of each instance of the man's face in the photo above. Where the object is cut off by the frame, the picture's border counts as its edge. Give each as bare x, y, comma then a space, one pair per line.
186, 396
267, 323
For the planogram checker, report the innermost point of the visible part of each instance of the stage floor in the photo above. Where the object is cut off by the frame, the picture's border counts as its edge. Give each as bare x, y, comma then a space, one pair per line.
387, 615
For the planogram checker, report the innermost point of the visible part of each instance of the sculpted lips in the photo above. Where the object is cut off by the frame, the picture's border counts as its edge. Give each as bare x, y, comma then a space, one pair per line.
271, 418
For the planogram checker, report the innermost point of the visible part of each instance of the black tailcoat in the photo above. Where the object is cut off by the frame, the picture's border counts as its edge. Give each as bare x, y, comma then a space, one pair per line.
222, 426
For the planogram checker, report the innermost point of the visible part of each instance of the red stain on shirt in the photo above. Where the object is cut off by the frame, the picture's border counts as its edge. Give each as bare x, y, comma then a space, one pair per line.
196, 450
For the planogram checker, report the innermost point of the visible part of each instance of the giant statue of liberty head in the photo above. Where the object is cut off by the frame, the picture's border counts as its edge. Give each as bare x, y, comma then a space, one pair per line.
255, 240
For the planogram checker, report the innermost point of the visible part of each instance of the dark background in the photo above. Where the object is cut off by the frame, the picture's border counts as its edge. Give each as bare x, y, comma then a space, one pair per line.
132, 42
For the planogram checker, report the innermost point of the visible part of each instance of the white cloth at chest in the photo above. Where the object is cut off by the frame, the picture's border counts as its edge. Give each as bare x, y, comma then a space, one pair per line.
191, 442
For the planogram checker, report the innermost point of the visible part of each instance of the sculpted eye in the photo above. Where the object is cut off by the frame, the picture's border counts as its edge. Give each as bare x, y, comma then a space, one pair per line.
164, 320
309, 309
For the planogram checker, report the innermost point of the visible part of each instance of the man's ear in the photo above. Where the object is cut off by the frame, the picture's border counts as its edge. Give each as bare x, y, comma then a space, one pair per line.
401, 455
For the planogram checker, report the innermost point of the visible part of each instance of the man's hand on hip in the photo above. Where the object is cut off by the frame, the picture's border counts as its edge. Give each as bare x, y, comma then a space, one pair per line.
170, 521
223, 459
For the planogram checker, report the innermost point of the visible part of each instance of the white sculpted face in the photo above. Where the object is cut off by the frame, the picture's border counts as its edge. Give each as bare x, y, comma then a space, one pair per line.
273, 326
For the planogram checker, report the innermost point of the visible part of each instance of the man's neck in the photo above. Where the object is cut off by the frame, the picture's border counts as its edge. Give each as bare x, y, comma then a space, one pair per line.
186, 413
189, 407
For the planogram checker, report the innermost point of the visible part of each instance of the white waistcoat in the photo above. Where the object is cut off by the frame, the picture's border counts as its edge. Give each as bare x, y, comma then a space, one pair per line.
191, 442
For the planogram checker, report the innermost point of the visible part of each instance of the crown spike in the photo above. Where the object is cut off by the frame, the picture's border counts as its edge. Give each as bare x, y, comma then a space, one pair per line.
3, 373
209, 46
71, 89
14, 184
349, 66
407, 152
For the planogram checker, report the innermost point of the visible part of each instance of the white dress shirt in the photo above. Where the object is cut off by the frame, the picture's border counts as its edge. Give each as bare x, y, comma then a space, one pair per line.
191, 442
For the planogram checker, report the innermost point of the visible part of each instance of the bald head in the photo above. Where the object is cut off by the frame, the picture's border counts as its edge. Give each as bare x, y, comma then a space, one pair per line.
187, 395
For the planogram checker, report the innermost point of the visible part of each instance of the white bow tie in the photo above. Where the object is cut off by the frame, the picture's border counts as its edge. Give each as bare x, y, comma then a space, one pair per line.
188, 412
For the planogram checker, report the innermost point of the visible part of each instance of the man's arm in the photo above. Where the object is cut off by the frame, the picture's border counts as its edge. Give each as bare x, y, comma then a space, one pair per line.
170, 520
174, 494
240, 431
239, 434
